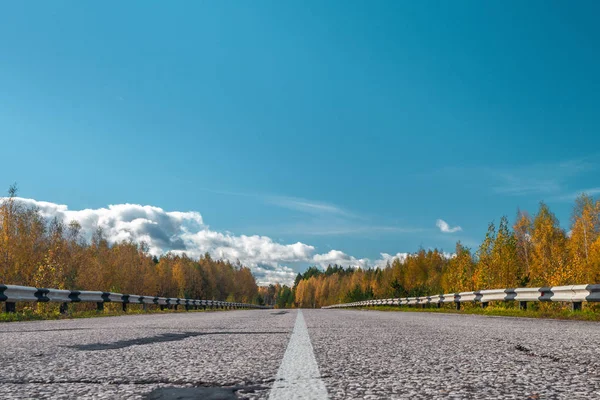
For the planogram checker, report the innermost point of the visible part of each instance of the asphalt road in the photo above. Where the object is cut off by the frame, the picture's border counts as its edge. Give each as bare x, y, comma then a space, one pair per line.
277, 354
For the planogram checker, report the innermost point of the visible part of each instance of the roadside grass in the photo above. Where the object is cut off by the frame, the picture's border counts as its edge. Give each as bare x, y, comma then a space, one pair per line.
51, 312
534, 310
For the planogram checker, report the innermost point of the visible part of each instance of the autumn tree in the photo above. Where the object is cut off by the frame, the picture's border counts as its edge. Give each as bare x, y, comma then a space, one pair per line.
285, 297
505, 269
483, 277
585, 230
522, 232
458, 276
38, 252
549, 251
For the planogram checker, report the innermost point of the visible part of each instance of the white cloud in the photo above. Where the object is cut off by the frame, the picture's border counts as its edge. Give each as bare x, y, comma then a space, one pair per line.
385, 258
444, 227
254, 248
341, 258
266, 275
186, 232
161, 230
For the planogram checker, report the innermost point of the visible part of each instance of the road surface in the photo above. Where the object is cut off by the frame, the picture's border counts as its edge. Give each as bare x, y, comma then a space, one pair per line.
286, 354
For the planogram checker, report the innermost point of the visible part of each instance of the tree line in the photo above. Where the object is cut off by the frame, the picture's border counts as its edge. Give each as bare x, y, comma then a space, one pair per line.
41, 253
535, 251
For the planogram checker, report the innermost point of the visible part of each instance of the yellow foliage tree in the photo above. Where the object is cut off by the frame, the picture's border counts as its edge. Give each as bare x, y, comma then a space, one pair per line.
585, 229
549, 265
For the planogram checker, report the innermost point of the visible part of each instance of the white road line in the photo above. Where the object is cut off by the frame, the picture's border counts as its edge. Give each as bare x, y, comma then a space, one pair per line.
298, 376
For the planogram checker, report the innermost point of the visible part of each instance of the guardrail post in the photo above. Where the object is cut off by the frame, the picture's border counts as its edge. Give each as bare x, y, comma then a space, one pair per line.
10, 307
484, 305
523, 305
439, 305
145, 307
458, 306
64, 308
576, 306
100, 306
125, 300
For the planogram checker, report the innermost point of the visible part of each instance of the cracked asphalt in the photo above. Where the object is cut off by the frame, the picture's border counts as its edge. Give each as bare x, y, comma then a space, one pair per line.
360, 355
130, 356
396, 355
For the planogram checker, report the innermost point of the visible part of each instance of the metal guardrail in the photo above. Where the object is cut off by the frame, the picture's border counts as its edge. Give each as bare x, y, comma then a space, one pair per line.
574, 294
11, 294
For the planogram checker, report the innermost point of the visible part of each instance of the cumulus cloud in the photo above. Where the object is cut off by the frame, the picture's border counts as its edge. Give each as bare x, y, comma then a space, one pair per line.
162, 231
341, 258
266, 274
185, 232
444, 227
385, 258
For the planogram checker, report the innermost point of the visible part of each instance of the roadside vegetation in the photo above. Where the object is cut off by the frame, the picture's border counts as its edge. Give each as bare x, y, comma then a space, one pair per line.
50, 311
551, 311
534, 251
51, 254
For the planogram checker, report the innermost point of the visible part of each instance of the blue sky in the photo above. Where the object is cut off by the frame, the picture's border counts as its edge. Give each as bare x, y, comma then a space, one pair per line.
344, 125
